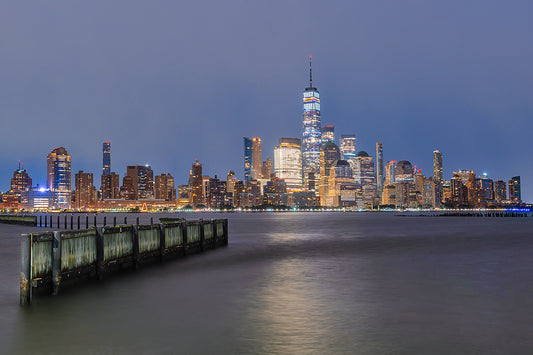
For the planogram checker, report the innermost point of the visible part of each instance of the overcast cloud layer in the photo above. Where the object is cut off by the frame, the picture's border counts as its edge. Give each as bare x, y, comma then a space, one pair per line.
169, 82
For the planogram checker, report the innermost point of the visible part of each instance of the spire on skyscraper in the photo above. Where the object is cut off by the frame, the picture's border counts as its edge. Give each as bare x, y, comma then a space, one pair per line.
310, 73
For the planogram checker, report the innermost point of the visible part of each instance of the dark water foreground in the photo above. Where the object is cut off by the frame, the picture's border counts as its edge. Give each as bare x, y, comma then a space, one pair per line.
298, 283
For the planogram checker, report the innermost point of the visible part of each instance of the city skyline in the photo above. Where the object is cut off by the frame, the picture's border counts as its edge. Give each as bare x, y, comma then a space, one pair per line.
446, 87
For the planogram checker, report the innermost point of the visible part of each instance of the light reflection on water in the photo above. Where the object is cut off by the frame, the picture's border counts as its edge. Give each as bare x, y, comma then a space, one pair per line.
300, 283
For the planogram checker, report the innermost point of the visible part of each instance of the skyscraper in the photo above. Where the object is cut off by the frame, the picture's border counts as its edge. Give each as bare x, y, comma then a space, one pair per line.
248, 158
58, 165
164, 187
379, 168
312, 134
515, 194
106, 164
20, 181
438, 177
347, 145
500, 190
142, 180
196, 182
328, 134
329, 154
257, 172
365, 178
288, 162
110, 185
266, 170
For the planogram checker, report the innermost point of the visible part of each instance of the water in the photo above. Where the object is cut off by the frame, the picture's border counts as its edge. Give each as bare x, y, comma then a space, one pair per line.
298, 283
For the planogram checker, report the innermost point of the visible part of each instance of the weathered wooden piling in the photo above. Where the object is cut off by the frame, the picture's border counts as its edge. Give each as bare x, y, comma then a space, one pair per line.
51, 258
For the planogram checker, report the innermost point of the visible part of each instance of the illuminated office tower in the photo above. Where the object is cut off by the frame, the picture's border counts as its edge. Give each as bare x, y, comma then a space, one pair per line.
500, 190
266, 170
164, 187
106, 163
256, 158
58, 165
347, 143
328, 134
379, 168
438, 177
85, 194
20, 181
288, 162
312, 134
248, 150
486, 187
515, 194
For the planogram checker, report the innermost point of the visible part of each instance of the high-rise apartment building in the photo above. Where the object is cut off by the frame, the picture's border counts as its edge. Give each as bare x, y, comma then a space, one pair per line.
329, 154
328, 134
438, 177
500, 190
142, 178
347, 145
379, 168
365, 178
164, 187
85, 194
58, 165
312, 134
106, 162
267, 168
248, 158
390, 172
110, 186
288, 162
196, 183
256, 159
515, 194
404, 183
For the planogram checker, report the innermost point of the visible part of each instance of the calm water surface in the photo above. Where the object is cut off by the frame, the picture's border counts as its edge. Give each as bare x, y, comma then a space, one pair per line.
325, 283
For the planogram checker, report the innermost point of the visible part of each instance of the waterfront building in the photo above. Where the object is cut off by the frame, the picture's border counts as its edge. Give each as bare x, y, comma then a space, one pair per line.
515, 194
347, 146
231, 180
164, 187
304, 199
256, 158
128, 190
404, 183
248, 157
275, 193
106, 162
58, 164
312, 134
288, 162
37, 198
486, 186
379, 168
85, 193
252, 195
365, 178
328, 134
196, 182
329, 154
500, 190
459, 192
438, 177
389, 195
206, 188
218, 197
110, 186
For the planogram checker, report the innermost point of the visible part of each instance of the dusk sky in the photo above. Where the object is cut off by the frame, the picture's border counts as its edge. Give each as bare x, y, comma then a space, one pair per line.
169, 82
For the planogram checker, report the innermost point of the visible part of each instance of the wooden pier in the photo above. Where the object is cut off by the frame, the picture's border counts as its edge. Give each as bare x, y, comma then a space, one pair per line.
51, 258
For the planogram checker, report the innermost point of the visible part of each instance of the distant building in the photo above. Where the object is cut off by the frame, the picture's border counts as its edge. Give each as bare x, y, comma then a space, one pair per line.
59, 177
342, 188
365, 178
110, 186
20, 181
164, 187
37, 198
106, 162
256, 158
142, 178
312, 134
196, 184
266, 170
248, 158
288, 162
328, 134
379, 168
85, 195
500, 190
329, 154
515, 194
275, 193
347, 146
404, 183
438, 177
390, 172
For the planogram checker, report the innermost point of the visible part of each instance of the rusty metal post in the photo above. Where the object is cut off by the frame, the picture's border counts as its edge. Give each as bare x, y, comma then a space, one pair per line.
105, 221
125, 220
202, 236
78, 221
162, 243
65, 220
71, 221
86, 221
135, 243
25, 272
114, 221
184, 243
58, 222
40, 220
56, 262
95, 220
137, 220
225, 232
100, 253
